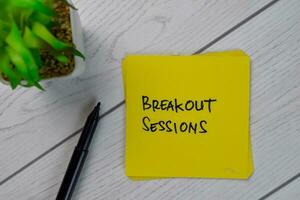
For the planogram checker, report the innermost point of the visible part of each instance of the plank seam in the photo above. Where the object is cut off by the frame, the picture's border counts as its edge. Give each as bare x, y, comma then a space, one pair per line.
247, 19
280, 187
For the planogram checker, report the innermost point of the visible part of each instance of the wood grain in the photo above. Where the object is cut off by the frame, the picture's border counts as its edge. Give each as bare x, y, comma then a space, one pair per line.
291, 191
272, 39
32, 122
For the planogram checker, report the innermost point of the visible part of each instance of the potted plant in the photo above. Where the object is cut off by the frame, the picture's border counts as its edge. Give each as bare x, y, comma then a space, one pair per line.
39, 39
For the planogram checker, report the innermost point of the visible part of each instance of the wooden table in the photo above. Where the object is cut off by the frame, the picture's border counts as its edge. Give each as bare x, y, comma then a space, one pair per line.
38, 130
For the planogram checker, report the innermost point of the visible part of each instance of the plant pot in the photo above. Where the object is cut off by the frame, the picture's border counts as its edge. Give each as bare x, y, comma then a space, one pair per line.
77, 39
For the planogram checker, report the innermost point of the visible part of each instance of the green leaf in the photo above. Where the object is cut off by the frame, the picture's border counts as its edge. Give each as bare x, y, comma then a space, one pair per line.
8, 71
42, 18
62, 58
15, 41
19, 63
37, 57
4, 30
78, 53
3, 4
42, 32
36, 84
31, 40
32, 4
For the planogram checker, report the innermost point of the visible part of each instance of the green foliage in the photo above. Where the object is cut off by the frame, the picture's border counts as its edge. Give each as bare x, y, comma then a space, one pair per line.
25, 31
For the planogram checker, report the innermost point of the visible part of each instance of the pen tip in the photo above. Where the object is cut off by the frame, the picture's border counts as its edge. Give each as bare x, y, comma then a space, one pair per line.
98, 105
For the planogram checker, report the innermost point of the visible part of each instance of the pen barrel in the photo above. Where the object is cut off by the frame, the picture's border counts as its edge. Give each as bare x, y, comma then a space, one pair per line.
72, 174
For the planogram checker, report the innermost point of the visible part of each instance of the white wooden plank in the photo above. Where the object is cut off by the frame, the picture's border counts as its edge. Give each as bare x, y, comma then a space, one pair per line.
291, 191
275, 127
31, 122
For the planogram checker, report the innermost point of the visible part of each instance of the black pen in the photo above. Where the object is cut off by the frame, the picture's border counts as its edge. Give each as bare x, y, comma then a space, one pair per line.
79, 155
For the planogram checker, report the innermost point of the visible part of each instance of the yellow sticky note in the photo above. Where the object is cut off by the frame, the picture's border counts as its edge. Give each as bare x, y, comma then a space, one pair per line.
188, 116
